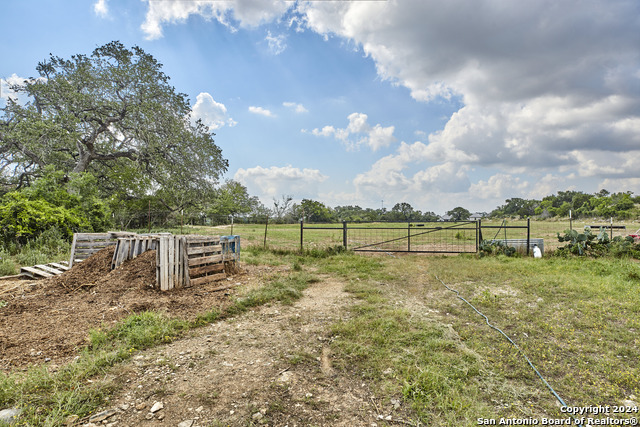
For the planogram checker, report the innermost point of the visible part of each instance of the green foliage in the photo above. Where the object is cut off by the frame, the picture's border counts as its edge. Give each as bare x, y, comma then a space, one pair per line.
22, 219
459, 214
495, 247
56, 204
585, 243
313, 211
140, 331
7, 266
230, 199
622, 247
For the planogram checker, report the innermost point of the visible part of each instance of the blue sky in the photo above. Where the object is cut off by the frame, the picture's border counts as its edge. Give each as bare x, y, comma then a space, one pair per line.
438, 104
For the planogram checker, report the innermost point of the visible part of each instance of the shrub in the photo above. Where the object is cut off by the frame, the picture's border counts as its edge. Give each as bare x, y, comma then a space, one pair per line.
495, 247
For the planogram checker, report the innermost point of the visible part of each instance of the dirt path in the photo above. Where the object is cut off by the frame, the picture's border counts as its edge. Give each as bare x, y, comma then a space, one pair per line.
269, 366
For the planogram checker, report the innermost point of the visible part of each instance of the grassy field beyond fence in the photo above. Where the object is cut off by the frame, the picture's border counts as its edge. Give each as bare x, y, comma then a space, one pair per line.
287, 236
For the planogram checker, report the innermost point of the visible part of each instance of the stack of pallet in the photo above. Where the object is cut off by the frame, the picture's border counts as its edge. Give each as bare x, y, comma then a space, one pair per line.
181, 261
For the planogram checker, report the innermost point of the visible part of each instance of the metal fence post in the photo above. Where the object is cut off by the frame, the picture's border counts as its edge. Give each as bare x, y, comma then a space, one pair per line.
344, 234
266, 225
301, 234
528, 234
409, 236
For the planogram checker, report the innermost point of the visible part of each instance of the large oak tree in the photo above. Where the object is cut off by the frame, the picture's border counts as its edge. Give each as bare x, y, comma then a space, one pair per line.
113, 114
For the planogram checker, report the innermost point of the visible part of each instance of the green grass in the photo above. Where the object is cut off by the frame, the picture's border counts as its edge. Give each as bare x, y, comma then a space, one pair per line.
577, 319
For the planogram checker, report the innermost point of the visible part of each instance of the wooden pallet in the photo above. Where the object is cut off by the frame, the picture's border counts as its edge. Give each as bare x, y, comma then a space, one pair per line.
130, 247
42, 271
86, 244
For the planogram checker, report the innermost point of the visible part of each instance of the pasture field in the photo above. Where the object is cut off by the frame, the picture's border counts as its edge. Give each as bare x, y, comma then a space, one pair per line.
287, 236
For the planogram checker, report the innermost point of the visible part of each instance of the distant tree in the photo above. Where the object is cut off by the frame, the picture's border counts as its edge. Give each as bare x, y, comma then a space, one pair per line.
115, 115
402, 211
459, 214
281, 207
314, 211
429, 216
231, 199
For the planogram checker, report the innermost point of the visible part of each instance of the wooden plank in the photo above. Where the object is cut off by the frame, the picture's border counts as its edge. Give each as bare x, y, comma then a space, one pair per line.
93, 236
195, 250
204, 260
158, 268
203, 239
179, 263
73, 250
170, 259
94, 244
114, 258
195, 272
185, 262
207, 279
123, 251
48, 269
59, 266
164, 263
34, 272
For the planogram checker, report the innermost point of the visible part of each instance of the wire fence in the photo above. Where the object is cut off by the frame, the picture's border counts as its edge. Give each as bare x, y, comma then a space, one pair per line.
445, 237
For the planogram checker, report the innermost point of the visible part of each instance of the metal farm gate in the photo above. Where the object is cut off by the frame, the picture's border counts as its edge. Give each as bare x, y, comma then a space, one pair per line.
418, 237
446, 237
424, 237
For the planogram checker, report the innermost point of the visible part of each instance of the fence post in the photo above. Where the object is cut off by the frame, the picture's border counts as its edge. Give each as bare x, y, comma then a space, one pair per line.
301, 234
570, 220
409, 236
478, 234
266, 224
344, 234
528, 234
611, 229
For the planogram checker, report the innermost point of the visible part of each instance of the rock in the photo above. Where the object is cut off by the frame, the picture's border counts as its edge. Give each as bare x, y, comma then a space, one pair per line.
285, 377
9, 416
186, 423
156, 407
71, 420
140, 406
102, 416
149, 416
257, 416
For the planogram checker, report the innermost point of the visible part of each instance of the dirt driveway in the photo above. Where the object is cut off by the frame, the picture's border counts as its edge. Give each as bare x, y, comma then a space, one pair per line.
268, 366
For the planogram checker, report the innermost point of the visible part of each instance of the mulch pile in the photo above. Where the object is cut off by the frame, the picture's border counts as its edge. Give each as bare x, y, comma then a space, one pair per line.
48, 321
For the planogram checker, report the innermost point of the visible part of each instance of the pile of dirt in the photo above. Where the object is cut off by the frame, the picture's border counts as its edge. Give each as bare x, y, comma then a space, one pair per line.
48, 321
92, 269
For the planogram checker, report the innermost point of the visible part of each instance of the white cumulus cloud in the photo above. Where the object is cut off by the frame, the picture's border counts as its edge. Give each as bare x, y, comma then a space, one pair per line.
100, 8
244, 13
261, 111
359, 133
275, 181
298, 108
213, 114
277, 44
